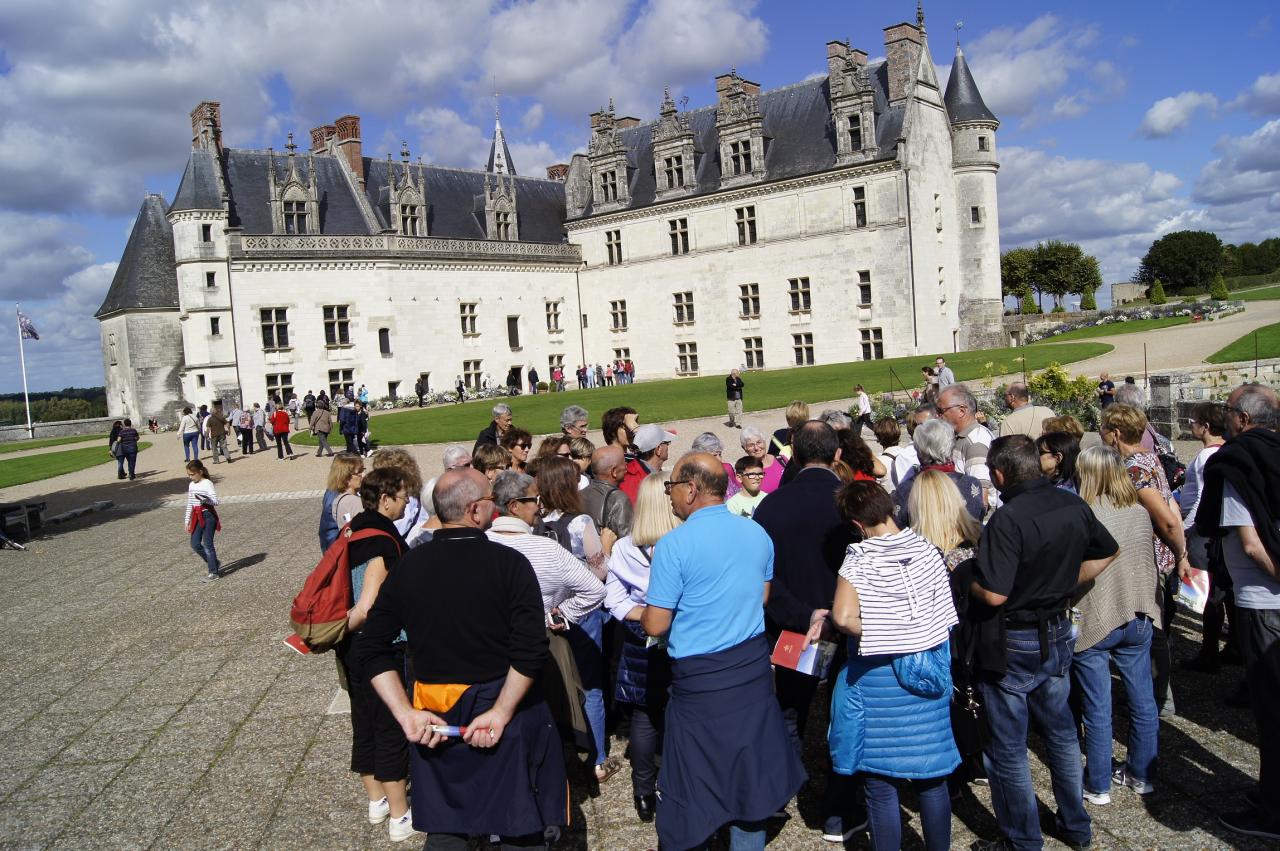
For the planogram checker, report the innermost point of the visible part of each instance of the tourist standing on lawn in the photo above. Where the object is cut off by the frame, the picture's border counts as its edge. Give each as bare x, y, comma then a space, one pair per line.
321, 421
126, 449
280, 420
733, 392
189, 433
201, 520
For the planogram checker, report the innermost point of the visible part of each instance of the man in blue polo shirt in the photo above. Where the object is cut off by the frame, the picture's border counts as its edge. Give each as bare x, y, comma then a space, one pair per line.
726, 759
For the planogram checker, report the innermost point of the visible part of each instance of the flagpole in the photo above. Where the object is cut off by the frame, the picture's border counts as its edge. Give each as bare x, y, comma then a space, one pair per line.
22, 357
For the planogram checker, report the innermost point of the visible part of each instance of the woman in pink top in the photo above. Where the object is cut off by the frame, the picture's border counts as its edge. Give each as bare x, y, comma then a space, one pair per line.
756, 445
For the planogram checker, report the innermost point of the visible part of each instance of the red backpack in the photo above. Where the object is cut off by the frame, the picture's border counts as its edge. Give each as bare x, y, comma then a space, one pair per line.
319, 612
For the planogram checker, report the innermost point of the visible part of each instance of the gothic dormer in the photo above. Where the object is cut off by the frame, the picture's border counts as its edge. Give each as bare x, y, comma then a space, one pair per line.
295, 207
406, 196
501, 221
673, 151
609, 178
853, 114
741, 129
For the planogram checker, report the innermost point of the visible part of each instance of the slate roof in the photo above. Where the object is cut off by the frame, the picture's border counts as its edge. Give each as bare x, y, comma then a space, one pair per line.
963, 100
796, 121
146, 277
251, 196
199, 188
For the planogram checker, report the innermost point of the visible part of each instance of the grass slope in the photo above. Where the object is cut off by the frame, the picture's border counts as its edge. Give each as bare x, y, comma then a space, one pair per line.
33, 468
1268, 346
1115, 328
1264, 294
40, 443
677, 399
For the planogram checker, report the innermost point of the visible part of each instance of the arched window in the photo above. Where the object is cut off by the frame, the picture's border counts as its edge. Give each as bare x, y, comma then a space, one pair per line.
384, 341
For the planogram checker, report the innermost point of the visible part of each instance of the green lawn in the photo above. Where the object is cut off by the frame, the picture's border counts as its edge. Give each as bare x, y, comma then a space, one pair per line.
20, 445
1264, 294
33, 468
1268, 346
1116, 328
665, 401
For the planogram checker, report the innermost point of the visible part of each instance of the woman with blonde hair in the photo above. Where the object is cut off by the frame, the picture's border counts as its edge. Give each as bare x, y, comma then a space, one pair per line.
341, 496
415, 513
490, 460
797, 415
643, 672
1117, 611
940, 516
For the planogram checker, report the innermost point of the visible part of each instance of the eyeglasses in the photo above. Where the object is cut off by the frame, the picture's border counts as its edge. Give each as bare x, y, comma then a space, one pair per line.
667, 486
949, 407
564, 454
536, 499
486, 498
753, 475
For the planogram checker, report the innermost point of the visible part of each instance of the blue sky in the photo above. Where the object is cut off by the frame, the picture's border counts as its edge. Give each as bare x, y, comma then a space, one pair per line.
1120, 121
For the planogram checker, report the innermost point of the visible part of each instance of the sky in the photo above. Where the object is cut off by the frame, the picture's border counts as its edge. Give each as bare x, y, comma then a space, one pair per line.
1119, 121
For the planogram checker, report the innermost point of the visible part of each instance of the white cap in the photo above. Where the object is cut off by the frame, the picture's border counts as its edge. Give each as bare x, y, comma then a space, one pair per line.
649, 436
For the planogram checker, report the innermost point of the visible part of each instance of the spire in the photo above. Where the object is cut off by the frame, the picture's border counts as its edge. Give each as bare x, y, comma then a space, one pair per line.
499, 154
920, 15
963, 100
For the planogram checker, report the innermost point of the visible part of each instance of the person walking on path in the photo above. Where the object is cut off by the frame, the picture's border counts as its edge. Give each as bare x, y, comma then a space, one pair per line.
280, 420
126, 449
348, 424
294, 409
863, 402
216, 426
321, 424
726, 758
461, 389
189, 433
113, 447
419, 390
259, 427
244, 427
733, 392
201, 520
201, 414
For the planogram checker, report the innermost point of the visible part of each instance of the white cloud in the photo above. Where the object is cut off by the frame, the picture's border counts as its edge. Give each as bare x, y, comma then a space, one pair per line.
36, 256
1069, 106
532, 118
1247, 168
1173, 114
446, 138
1261, 98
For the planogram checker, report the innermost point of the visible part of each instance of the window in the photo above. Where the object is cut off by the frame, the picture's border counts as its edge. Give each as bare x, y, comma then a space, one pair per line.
802, 345
855, 132
740, 157
471, 374
467, 315
613, 243
618, 315
393, 389
746, 217
673, 168
859, 207
937, 212
872, 344
975, 215
609, 185
337, 329
753, 352
384, 342
684, 307
200, 380
749, 298
339, 380
554, 361
622, 354
553, 316
295, 216
679, 231
275, 328
211, 278
798, 289
687, 357
215, 326
984, 144
584, 320
409, 219
206, 234
513, 333
281, 385
503, 223
864, 288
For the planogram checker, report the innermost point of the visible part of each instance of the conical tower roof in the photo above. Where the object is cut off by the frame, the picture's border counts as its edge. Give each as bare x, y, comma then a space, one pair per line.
145, 278
963, 100
500, 161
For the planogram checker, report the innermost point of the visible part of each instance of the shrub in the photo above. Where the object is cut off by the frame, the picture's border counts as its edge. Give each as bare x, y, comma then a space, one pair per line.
1029, 304
1057, 308
1087, 301
1156, 293
1218, 292
1066, 394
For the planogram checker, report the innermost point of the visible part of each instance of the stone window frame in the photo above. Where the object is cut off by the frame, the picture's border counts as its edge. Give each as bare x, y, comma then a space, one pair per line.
210, 280
860, 206
295, 217
753, 352
872, 343
623, 353
609, 186
275, 322
682, 302
984, 144
467, 311
553, 316
200, 381
864, 288
687, 358
854, 129
410, 219
745, 219
472, 371
206, 234
215, 326
618, 315
340, 379
673, 171
678, 230
384, 342
800, 295
741, 153
554, 361
749, 301
279, 382
502, 222
337, 325
977, 216
613, 245
802, 348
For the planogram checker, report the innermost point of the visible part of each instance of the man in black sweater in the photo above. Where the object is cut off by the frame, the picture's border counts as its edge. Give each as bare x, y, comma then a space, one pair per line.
809, 541
477, 636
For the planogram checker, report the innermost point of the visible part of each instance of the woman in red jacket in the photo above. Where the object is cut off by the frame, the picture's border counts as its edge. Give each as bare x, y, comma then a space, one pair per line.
280, 424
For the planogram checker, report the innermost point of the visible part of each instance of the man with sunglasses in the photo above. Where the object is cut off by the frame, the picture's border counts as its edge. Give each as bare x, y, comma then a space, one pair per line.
958, 406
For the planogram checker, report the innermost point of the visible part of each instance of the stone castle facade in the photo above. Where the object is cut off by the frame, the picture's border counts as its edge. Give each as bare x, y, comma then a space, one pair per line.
843, 218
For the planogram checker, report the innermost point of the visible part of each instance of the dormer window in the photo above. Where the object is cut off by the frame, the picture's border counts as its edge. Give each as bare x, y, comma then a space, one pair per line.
674, 167
740, 157
409, 219
609, 185
855, 132
502, 222
295, 216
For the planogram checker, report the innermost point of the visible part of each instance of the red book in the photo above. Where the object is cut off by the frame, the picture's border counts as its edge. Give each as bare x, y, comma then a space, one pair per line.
293, 642
794, 652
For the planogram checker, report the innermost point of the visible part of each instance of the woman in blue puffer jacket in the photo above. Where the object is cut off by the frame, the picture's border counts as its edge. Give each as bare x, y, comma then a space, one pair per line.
890, 707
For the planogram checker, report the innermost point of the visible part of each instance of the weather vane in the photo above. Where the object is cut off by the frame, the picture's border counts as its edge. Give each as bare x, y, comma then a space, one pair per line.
959, 26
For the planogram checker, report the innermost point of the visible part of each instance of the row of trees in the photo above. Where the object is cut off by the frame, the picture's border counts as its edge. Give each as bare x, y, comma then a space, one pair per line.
1052, 268
1190, 261
71, 403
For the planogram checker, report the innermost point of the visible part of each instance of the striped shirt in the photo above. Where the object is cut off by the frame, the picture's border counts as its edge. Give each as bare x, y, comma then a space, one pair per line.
904, 593
564, 579
196, 490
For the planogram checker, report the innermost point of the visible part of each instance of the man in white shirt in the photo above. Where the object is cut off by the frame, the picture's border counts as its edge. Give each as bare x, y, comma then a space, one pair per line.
957, 406
946, 377
864, 410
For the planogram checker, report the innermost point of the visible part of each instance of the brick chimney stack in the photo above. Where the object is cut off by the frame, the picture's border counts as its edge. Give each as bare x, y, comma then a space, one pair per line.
724, 81
838, 52
559, 171
202, 134
320, 137
902, 45
348, 136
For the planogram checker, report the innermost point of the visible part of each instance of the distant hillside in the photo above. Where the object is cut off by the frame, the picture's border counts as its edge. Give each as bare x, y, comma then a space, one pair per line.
71, 403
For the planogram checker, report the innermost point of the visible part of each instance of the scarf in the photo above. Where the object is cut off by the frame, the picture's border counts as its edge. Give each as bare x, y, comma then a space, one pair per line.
1250, 461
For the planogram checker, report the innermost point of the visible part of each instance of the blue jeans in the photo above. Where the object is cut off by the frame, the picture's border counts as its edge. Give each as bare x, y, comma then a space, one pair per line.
1130, 647
593, 626
744, 836
191, 446
202, 544
1031, 687
886, 820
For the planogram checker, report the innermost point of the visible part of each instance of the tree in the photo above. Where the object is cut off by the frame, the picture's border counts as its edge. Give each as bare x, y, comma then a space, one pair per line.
1029, 304
1185, 260
1087, 301
1015, 271
1156, 293
1218, 292
1062, 268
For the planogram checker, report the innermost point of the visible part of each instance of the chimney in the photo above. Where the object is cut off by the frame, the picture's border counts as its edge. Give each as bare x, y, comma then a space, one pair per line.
320, 137
725, 81
902, 52
595, 119
559, 171
200, 129
627, 121
838, 52
348, 135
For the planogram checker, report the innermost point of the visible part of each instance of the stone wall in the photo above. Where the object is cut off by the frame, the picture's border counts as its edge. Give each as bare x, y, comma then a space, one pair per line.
64, 428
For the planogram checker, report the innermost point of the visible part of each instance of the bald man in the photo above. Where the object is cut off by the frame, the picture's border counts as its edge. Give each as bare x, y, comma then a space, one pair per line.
1024, 417
608, 506
472, 610
707, 589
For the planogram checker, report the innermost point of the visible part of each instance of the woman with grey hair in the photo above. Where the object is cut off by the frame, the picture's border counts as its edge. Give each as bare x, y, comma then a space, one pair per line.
934, 441
573, 421
755, 444
708, 442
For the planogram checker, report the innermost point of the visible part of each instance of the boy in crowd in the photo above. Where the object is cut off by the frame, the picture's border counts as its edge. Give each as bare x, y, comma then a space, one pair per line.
750, 476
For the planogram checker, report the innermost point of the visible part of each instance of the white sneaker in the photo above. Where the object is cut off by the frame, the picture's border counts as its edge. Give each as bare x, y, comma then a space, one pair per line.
402, 828
1097, 797
1121, 777
378, 811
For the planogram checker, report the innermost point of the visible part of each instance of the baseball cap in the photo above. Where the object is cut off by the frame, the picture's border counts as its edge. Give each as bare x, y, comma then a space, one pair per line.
649, 436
